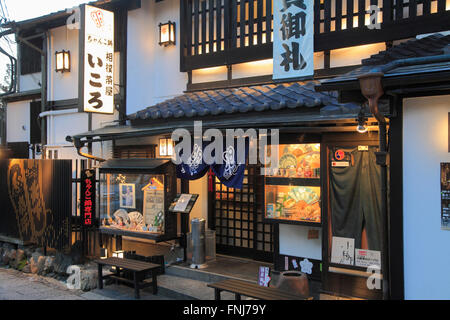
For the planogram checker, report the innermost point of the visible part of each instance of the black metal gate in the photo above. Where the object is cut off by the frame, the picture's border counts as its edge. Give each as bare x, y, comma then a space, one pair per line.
238, 219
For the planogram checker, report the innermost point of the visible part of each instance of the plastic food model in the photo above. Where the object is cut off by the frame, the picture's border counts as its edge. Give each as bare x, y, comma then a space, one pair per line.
295, 200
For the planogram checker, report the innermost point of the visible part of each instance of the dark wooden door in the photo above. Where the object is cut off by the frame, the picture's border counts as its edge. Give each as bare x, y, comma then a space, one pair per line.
237, 216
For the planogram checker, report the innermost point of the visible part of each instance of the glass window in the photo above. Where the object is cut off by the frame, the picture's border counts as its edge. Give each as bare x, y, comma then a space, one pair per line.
132, 202
292, 192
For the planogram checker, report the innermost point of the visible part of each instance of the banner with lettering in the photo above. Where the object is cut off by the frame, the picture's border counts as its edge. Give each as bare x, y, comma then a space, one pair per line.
98, 60
293, 43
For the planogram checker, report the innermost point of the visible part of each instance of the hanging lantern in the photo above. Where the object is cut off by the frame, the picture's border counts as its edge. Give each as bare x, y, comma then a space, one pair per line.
62, 61
167, 34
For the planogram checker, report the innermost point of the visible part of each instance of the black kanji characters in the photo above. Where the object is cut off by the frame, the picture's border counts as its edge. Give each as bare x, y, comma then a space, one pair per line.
293, 56
288, 3
293, 25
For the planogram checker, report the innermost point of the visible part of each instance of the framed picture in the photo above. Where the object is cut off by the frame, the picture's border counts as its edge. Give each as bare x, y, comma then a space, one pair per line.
127, 195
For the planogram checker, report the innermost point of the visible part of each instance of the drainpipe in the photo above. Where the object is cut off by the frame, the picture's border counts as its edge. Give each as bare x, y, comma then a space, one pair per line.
372, 90
79, 145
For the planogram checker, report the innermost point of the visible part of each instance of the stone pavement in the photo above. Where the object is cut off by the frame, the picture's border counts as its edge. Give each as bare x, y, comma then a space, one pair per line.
16, 285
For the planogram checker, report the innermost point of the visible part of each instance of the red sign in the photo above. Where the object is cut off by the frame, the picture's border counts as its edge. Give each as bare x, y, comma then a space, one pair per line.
97, 16
88, 196
339, 155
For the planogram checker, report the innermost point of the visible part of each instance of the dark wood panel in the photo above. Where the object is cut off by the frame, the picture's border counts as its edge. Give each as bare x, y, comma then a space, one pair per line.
244, 19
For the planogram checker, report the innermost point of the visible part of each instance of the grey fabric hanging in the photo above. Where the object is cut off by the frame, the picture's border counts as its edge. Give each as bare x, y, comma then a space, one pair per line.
355, 193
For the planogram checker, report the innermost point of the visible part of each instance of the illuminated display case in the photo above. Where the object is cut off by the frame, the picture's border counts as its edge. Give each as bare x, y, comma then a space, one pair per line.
135, 196
292, 191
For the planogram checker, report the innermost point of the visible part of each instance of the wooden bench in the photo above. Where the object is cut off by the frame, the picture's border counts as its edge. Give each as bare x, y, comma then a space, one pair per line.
139, 269
252, 290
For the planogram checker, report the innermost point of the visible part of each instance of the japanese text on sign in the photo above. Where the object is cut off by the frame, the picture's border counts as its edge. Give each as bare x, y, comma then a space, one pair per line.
88, 196
98, 61
293, 44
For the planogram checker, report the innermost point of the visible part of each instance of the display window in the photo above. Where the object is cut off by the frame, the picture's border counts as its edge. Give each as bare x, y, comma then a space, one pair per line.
132, 202
292, 191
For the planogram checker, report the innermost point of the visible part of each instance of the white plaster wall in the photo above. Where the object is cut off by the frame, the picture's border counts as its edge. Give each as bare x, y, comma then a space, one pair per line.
30, 82
426, 246
62, 86
294, 242
153, 71
18, 121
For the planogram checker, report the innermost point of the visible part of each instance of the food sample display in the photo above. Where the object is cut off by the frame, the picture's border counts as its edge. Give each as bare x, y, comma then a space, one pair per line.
132, 202
292, 191
293, 203
298, 161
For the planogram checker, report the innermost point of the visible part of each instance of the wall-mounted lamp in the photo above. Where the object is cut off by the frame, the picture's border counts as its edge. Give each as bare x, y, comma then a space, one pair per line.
62, 61
165, 147
362, 126
167, 34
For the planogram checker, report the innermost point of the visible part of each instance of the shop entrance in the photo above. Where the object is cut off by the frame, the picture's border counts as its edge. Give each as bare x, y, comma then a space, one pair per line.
354, 220
237, 216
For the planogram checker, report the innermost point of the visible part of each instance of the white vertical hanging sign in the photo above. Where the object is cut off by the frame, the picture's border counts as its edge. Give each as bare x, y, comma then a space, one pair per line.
97, 60
293, 39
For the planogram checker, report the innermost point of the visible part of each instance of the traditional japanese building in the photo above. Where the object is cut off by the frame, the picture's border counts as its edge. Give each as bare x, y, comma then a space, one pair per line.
361, 113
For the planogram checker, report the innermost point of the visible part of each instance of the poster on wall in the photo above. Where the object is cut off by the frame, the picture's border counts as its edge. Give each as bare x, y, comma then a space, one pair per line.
367, 258
445, 196
293, 43
97, 60
343, 251
127, 195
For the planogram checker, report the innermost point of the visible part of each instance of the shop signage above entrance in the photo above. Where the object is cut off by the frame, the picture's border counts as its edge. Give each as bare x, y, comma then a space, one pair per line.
293, 43
96, 60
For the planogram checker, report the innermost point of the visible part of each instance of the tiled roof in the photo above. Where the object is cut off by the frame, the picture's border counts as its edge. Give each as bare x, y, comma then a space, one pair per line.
297, 95
432, 45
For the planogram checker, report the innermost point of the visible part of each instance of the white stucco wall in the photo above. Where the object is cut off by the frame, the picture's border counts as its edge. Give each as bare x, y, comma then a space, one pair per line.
153, 71
62, 86
426, 246
30, 82
18, 121
294, 242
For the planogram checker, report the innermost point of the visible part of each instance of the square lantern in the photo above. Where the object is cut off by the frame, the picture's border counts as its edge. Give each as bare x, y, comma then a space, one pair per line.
62, 61
167, 34
165, 147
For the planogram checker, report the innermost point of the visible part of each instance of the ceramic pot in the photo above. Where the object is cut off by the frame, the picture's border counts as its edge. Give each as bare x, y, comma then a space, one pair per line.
294, 282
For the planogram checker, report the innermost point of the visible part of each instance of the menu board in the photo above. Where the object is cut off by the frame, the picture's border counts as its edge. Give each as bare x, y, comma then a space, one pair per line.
293, 203
445, 196
154, 205
183, 203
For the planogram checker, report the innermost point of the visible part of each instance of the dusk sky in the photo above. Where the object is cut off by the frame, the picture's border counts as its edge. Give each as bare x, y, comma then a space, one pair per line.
18, 10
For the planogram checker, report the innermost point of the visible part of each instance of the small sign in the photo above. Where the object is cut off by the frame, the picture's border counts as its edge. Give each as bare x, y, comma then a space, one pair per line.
264, 276
340, 164
363, 148
313, 234
339, 155
182, 202
294, 263
87, 196
343, 251
445, 196
366, 258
